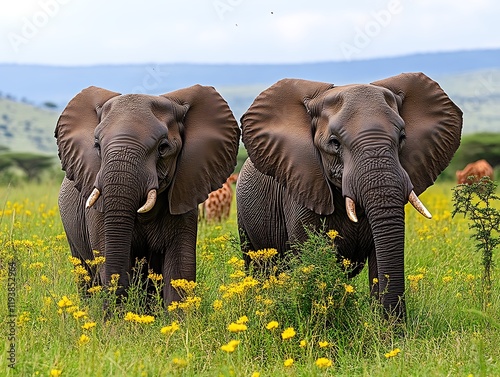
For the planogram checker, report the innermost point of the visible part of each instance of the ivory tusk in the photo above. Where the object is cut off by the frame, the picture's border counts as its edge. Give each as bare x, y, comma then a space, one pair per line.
419, 206
350, 208
150, 202
92, 198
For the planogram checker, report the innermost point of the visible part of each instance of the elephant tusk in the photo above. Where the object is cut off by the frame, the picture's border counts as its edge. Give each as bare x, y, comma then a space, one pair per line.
350, 208
92, 198
419, 206
150, 202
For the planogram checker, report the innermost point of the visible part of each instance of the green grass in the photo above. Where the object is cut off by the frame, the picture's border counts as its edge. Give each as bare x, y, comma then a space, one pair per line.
447, 332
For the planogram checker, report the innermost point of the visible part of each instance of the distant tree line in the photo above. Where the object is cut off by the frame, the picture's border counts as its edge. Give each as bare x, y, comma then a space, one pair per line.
23, 166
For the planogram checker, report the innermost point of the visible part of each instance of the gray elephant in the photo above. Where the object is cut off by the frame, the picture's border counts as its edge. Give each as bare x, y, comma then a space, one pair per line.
349, 156
137, 166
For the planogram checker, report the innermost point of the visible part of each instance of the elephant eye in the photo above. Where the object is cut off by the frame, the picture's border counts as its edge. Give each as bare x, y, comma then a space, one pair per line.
402, 138
334, 142
97, 146
163, 148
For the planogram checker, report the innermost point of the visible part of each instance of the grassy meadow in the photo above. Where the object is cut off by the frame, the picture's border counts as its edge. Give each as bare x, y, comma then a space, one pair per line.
305, 321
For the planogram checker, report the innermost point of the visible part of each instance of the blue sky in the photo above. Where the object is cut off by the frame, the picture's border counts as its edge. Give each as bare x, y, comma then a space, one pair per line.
89, 32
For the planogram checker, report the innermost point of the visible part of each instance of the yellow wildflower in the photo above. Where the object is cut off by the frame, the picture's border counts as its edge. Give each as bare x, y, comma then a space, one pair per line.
184, 285
132, 317
94, 289
242, 319
238, 274
97, 261
303, 343
332, 234
83, 339
88, 325
237, 263
173, 327
375, 281
288, 362
237, 327
231, 346
262, 255
288, 333
349, 288
79, 314
189, 303
392, 353
180, 363
36, 265
447, 279
44, 279
55, 372
23, 318
346, 263
323, 362
255, 374
74, 261
323, 344
217, 305
272, 325
64, 302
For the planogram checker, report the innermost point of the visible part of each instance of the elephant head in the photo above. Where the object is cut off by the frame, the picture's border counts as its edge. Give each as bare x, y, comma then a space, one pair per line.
123, 151
377, 145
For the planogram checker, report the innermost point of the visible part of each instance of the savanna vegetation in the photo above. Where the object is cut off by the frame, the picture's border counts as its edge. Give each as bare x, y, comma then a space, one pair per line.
308, 320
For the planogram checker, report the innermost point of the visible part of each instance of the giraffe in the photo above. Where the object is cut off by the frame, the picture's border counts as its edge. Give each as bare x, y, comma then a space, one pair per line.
217, 207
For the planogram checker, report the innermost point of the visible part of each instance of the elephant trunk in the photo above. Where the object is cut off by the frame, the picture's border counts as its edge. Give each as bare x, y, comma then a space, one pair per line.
122, 196
382, 190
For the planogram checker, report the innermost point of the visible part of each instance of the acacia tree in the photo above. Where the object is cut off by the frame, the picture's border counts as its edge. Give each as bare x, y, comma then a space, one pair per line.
475, 201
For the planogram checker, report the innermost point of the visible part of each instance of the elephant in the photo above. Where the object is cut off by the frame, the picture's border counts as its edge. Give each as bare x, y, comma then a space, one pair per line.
136, 168
477, 170
347, 158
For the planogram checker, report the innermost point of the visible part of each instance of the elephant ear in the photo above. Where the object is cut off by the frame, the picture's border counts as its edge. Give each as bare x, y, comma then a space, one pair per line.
433, 125
278, 135
75, 137
210, 145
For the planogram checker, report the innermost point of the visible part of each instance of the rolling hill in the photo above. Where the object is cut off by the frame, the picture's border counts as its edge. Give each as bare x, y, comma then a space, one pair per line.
471, 78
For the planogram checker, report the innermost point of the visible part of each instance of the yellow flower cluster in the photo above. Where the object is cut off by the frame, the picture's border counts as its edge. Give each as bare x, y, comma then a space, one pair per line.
272, 325
230, 347
154, 276
97, 261
392, 353
170, 329
414, 279
132, 317
349, 288
288, 333
184, 286
238, 288
239, 325
323, 362
332, 234
188, 304
262, 255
